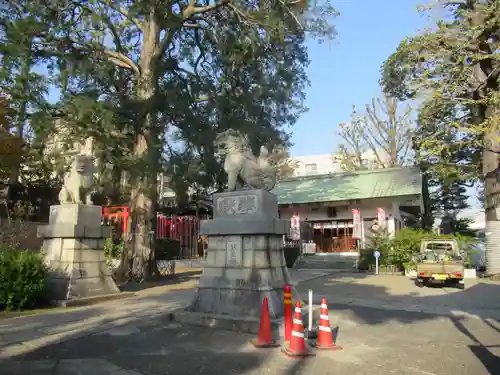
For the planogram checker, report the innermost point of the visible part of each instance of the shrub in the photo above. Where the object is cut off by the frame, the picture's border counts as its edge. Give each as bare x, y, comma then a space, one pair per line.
408, 266
380, 241
406, 244
22, 279
400, 250
112, 250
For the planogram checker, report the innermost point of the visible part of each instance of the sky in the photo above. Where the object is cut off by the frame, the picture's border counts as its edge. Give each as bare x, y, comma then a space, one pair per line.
346, 71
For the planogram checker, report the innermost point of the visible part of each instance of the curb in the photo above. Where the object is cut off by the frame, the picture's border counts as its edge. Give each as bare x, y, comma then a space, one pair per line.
226, 323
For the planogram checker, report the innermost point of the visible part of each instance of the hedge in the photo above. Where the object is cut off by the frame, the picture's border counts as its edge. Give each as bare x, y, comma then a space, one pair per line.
22, 279
399, 251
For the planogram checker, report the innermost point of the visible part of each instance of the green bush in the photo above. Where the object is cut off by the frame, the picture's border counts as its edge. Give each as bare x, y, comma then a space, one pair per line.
408, 266
380, 241
406, 244
400, 250
112, 250
22, 279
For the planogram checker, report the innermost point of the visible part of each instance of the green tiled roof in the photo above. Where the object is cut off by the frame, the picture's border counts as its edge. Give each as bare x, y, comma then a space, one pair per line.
376, 183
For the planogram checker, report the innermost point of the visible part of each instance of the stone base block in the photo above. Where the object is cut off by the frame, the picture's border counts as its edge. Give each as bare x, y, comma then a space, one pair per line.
61, 286
245, 259
74, 213
245, 203
74, 253
241, 303
240, 272
78, 273
231, 323
244, 225
245, 212
73, 231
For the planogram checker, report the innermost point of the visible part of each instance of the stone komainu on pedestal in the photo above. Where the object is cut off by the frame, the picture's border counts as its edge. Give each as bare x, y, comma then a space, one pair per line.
73, 243
78, 180
245, 260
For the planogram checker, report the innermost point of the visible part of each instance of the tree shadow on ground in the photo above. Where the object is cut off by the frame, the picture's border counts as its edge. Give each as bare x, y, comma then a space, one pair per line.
178, 278
28, 332
354, 298
141, 337
153, 347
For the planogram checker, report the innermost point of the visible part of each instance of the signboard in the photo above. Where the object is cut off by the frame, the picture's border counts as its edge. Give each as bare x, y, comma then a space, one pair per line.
381, 216
356, 221
376, 254
234, 251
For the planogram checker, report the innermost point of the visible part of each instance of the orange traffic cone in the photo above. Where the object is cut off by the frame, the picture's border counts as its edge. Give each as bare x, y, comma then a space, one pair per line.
264, 338
325, 336
297, 346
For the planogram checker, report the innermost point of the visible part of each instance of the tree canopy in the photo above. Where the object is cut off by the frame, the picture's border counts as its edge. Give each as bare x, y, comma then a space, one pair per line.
154, 82
454, 68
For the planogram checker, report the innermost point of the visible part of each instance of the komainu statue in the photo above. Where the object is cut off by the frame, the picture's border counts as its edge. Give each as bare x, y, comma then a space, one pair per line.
243, 169
78, 181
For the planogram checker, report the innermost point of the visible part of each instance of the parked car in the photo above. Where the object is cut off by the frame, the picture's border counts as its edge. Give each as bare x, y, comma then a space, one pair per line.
440, 262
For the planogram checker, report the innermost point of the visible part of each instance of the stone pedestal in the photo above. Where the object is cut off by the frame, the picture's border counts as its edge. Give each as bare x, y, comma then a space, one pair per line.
245, 260
73, 243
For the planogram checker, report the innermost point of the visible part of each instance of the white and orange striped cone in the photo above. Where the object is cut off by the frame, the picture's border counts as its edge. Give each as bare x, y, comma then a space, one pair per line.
297, 346
325, 336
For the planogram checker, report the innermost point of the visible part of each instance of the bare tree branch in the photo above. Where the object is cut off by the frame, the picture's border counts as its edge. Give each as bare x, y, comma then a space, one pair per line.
386, 135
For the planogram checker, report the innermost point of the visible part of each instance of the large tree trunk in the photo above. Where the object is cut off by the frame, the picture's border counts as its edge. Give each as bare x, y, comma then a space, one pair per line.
490, 162
482, 72
144, 188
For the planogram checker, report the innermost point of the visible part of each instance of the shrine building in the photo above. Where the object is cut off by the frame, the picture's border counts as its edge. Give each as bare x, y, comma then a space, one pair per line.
342, 207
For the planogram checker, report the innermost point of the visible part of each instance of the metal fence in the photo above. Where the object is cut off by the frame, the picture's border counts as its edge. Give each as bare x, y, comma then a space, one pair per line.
184, 229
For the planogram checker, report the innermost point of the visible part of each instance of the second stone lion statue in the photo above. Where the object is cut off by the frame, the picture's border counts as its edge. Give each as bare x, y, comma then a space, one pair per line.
78, 181
242, 167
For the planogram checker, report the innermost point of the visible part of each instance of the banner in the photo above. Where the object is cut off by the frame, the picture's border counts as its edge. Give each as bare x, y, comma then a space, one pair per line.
295, 228
356, 221
381, 217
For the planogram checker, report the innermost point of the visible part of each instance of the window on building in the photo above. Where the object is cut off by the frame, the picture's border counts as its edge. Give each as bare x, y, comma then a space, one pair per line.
311, 168
336, 165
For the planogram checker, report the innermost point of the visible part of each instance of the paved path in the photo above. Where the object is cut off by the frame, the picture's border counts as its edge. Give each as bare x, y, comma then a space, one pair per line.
479, 299
399, 343
135, 337
27, 332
